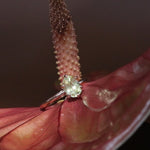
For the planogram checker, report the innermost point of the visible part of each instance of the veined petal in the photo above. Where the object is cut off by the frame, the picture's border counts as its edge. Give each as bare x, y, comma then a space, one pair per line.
104, 122
99, 94
79, 124
38, 133
110, 117
11, 118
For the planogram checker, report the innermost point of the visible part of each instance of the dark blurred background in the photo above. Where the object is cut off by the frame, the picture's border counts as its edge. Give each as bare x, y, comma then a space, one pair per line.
110, 34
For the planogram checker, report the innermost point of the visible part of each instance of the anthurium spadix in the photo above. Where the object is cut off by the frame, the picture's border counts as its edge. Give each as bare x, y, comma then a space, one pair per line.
95, 115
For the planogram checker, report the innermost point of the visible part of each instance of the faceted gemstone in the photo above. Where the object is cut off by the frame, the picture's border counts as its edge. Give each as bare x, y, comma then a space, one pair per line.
71, 86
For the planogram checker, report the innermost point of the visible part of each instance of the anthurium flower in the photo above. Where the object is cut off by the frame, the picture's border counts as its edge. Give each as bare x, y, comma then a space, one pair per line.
95, 115
109, 110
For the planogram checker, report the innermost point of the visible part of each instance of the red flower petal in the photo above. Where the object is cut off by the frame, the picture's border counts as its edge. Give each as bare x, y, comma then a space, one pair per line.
38, 133
113, 114
11, 118
78, 124
109, 111
99, 94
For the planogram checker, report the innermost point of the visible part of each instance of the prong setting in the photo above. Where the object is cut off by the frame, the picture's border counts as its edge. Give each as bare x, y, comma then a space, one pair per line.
71, 86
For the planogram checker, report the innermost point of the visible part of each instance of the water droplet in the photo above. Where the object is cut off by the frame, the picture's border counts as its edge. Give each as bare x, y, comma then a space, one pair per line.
107, 96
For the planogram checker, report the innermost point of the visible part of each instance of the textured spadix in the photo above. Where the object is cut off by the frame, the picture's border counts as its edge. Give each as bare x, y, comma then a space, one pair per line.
64, 40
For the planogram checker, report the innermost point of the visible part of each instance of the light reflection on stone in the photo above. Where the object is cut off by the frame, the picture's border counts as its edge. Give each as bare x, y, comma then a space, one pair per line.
71, 86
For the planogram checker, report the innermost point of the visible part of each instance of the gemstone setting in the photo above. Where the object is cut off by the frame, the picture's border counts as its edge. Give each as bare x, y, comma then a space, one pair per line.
71, 86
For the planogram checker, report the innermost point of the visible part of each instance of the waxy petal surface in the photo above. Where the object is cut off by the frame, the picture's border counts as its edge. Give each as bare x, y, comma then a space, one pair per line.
99, 94
78, 124
115, 106
11, 118
38, 133
109, 110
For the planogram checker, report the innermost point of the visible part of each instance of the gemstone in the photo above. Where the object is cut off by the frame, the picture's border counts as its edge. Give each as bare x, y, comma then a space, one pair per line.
71, 86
